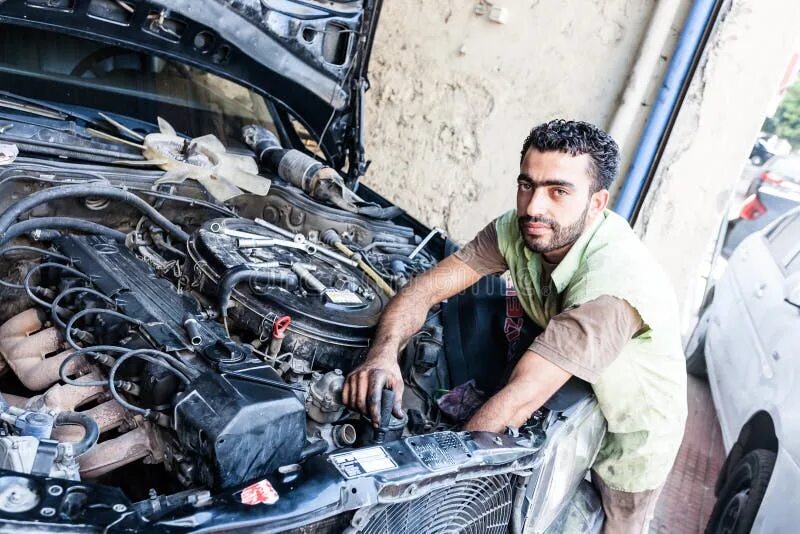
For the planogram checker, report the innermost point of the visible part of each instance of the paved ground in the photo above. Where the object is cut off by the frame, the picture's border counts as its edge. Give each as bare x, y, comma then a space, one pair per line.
688, 497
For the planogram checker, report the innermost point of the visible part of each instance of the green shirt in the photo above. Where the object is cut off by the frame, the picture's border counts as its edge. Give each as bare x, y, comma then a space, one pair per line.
642, 393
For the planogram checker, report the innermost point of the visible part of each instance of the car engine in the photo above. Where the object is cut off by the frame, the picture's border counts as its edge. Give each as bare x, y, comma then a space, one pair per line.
158, 336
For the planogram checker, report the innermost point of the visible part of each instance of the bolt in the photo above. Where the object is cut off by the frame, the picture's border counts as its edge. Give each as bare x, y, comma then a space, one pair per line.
55, 491
119, 508
48, 512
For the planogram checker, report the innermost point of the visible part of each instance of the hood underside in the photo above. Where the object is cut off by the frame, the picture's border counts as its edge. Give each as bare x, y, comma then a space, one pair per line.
308, 57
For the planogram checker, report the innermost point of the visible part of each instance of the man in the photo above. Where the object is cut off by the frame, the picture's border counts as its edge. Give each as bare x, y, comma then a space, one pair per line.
606, 309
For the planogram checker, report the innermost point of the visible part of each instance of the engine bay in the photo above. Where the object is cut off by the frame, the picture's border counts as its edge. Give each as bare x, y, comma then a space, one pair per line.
160, 342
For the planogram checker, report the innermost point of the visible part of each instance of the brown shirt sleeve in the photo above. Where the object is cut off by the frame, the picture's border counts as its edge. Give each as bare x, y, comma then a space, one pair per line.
483, 252
585, 340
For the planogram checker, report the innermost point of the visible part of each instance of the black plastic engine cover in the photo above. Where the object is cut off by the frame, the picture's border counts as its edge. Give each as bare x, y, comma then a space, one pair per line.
244, 428
236, 419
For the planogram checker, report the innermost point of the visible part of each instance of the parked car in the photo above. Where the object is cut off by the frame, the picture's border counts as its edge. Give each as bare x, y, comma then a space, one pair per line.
155, 157
760, 153
746, 343
757, 211
780, 171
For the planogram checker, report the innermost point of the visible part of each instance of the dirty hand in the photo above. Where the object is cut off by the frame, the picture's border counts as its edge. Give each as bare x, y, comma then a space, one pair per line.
363, 386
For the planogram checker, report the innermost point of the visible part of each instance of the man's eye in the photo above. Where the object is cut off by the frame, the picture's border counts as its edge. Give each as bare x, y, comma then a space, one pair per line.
561, 192
523, 186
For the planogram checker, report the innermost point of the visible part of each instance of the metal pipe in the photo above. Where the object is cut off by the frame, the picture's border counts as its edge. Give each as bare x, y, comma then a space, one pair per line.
111, 454
677, 77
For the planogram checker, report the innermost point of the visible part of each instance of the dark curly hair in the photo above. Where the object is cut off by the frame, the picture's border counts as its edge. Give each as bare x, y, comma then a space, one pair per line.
576, 138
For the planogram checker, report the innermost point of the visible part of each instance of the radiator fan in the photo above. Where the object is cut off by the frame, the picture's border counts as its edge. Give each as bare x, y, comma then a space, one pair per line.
481, 505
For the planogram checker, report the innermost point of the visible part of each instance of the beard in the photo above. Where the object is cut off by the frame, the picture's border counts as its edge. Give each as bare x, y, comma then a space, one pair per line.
561, 236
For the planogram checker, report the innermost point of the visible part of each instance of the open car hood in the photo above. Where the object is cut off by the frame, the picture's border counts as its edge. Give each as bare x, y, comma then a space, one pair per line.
309, 57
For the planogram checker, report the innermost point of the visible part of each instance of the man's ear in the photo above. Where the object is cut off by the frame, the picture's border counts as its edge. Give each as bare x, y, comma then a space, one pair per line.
598, 202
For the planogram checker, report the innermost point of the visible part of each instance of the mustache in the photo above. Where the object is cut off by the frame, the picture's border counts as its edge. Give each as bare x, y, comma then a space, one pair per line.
528, 219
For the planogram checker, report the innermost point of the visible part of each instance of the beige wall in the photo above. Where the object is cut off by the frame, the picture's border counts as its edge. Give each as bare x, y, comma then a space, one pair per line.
454, 95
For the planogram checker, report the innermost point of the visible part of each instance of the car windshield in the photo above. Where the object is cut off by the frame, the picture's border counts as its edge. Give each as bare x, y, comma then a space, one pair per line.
73, 71
788, 167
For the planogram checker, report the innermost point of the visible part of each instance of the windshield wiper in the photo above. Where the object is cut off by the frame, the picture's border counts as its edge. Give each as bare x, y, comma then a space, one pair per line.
43, 109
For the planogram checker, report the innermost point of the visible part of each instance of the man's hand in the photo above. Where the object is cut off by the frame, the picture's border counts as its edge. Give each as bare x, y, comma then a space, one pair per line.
364, 385
402, 318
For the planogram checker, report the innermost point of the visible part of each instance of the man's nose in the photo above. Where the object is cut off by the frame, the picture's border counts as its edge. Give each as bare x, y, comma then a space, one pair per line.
539, 203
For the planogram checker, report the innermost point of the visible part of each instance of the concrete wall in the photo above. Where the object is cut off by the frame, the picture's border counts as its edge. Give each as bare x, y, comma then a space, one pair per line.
454, 95
727, 100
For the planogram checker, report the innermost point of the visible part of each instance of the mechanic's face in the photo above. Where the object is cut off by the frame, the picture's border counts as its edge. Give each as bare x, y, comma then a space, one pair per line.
554, 201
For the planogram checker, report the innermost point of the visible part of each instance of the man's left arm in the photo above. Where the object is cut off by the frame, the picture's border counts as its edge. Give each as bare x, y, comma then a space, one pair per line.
580, 342
533, 381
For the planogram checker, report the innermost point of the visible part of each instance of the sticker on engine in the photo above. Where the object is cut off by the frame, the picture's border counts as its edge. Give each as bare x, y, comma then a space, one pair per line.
363, 462
259, 493
342, 296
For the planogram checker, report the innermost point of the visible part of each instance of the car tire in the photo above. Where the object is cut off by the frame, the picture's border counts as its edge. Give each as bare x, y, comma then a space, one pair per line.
757, 160
695, 346
741, 495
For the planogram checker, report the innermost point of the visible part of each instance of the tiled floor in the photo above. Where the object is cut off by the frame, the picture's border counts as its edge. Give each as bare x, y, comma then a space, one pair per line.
688, 497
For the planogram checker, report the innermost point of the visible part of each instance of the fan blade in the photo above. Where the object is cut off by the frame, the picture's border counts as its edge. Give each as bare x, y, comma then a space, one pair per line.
252, 183
166, 128
220, 189
173, 176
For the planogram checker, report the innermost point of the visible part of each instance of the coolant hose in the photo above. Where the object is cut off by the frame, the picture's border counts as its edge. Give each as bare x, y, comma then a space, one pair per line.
91, 430
318, 447
61, 223
232, 278
78, 191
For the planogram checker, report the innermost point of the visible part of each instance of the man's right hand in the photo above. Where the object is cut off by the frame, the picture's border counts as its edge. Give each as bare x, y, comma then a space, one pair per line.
403, 316
364, 385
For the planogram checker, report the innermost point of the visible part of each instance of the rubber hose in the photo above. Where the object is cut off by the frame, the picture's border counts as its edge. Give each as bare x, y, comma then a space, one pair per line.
64, 223
233, 277
318, 447
79, 191
92, 432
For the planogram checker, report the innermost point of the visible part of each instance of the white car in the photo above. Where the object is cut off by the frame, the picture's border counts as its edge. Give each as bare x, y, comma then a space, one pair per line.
747, 343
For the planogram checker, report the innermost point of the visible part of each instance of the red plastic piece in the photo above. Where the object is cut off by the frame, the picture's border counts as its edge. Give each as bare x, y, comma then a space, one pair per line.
280, 326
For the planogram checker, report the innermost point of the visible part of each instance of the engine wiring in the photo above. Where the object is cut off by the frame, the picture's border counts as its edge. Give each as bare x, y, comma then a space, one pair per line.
36, 268
27, 248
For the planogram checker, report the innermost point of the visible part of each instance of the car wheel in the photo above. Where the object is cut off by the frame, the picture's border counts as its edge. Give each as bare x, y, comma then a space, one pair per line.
741, 495
695, 346
757, 160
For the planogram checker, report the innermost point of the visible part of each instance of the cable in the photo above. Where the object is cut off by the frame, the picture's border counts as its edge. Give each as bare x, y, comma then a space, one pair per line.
27, 280
66, 223
62, 369
77, 191
26, 248
143, 355
88, 311
54, 305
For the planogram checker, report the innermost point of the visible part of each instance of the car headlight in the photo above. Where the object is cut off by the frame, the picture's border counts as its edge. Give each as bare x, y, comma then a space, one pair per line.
568, 454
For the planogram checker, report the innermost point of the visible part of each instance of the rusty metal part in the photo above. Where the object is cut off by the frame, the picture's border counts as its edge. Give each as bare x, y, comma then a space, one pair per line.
65, 396
104, 457
108, 415
16, 400
16, 328
25, 346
